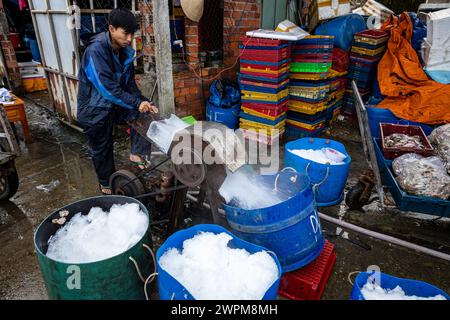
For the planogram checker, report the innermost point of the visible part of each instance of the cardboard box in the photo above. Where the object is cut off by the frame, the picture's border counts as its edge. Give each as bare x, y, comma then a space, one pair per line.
320, 10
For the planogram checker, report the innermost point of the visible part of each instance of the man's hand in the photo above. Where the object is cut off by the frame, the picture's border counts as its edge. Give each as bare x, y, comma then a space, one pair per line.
148, 107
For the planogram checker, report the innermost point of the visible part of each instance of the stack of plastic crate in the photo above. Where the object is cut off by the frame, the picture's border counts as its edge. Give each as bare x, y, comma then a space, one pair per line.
264, 79
315, 90
367, 50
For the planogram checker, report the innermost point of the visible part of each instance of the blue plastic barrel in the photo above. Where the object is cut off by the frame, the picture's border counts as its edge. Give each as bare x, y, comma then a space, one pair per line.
328, 180
291, 228
34, 50
410, 287
171, 289
226, 116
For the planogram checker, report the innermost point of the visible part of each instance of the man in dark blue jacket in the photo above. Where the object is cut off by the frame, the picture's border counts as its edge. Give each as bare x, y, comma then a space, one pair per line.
108, 94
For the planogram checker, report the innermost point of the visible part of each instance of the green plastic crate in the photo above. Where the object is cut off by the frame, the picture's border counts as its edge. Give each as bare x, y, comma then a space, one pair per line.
190, 120
315, 67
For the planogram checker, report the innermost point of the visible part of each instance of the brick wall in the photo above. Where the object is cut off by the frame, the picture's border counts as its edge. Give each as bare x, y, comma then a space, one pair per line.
8, 52
192, 88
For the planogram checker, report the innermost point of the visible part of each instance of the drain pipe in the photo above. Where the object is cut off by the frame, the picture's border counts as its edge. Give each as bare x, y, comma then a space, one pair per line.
386, 238
366, 232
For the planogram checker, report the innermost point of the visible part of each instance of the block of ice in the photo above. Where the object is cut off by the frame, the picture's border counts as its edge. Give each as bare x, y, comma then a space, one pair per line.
245, 191
210, 270
162, 132
373, 291
98, 235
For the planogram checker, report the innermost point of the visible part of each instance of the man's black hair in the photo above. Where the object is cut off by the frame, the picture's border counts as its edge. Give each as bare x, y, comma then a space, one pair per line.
123, 18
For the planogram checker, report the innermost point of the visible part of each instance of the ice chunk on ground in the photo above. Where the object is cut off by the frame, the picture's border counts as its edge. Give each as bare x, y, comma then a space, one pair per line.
210, 270
245, 191
373, 291
98, 235
48, 187
322, 156
162, 132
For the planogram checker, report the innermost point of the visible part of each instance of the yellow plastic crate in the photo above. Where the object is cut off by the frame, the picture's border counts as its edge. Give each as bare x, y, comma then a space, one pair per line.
309, 93
306, 126
266, 71
259, 114
253, 95
307, 108
245, 124
369, 52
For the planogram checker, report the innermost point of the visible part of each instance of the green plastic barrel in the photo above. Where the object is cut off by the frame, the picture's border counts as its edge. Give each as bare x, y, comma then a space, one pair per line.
115, 278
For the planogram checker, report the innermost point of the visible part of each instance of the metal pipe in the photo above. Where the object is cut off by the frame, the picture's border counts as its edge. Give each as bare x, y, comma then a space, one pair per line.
386, 238
91, 4
366, 232
49, 11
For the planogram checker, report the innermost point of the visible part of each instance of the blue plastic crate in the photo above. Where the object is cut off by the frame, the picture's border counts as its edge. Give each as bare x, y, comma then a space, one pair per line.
263, 79
270, 48
298, 50
263, 89
315, 41
295, 133
306, 118
403, 200
264, 63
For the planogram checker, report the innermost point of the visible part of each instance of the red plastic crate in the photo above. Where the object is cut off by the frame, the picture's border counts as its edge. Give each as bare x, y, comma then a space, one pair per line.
341, 60
308, 283
372, 36
274, 112
263, 67
263, 42
257, 105
265, 55
386, 129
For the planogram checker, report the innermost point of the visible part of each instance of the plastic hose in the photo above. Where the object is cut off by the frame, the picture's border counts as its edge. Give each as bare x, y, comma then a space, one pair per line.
386, 238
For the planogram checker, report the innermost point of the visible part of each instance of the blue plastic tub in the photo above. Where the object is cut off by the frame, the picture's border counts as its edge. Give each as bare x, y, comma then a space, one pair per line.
410, 287
379, 115
331, 188
403, 200
228, 117
171, 289
291, 228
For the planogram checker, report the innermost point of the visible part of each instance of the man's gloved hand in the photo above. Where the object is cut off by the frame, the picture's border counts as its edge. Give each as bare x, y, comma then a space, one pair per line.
146, 106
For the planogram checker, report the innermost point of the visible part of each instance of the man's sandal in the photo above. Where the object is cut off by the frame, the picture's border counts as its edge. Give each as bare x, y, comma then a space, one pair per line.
141, 164
106, 193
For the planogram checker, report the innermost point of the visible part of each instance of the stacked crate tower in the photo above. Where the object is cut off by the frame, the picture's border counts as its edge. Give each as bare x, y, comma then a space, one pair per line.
264, 79
315, 89
367, 50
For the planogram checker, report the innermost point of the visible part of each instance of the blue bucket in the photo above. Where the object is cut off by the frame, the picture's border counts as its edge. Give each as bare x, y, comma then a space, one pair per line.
171, 289
411, 287
226, 116
328, 180
291, 228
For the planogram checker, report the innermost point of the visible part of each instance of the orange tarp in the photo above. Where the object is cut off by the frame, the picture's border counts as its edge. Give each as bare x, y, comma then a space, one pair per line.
410, 94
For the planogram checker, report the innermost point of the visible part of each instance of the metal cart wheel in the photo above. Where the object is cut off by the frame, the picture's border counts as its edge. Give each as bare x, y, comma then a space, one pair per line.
9, 181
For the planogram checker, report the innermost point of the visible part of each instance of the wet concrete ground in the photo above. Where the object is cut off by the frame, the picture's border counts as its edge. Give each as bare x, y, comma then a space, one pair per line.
60, 154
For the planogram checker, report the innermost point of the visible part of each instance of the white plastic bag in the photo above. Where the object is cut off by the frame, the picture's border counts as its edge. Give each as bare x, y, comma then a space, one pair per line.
422, 176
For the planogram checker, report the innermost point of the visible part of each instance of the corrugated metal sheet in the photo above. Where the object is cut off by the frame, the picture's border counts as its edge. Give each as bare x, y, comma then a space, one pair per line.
273, 12
57, 44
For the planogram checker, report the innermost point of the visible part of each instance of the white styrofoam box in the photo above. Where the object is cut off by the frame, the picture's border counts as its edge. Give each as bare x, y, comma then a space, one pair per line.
435, 55
32, 67
438, 26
